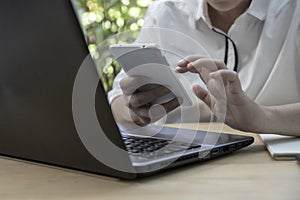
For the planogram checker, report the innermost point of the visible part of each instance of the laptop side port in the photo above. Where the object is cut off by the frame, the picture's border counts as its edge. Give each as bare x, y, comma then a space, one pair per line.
232, 147
215, 151
239, 145
226, 149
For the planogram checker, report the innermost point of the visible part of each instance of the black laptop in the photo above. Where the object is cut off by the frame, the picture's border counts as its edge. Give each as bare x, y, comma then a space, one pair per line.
43, 119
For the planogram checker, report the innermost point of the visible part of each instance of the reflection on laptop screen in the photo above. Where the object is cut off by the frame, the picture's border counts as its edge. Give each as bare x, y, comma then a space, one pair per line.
103, 23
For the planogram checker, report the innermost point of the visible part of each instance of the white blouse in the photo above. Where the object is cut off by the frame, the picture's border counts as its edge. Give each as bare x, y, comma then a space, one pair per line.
263, 44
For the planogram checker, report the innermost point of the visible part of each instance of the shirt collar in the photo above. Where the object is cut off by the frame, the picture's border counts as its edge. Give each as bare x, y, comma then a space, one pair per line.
257, 8
200, 12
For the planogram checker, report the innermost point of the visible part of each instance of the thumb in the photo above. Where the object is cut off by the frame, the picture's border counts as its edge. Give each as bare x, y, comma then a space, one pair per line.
202, 94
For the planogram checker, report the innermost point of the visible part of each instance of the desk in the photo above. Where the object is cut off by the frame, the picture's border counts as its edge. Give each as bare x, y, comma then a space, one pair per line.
247, 174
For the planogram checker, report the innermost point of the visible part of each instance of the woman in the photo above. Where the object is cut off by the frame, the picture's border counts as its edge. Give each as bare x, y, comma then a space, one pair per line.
253, 48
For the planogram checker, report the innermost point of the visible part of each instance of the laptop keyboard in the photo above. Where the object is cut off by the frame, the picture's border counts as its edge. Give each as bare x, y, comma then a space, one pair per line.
144, 146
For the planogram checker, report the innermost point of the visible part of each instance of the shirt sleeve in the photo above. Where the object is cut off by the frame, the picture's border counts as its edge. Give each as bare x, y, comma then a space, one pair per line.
116, 90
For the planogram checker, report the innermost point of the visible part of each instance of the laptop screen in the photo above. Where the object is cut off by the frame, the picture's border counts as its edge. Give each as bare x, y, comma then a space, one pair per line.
41, 50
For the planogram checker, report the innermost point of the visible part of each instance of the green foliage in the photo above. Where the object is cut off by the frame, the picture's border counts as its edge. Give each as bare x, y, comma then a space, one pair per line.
103, 18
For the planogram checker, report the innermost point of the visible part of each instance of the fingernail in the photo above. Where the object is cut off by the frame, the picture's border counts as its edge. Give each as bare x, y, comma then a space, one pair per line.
181, 62
195, 88
177, 69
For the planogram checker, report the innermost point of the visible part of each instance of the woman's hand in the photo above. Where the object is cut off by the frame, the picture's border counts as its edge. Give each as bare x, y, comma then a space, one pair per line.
225, 97
140, 97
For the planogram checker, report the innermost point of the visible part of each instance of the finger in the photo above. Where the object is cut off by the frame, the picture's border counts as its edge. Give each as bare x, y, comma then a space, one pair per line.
218, 107
131, 83
142, 112
181, 69
182, 64
143, 121
188, 59
155, 112
230, 79
216, 88
140, 121
202, 94
172, 104
205, 66
158, 111
141, 98
209, 64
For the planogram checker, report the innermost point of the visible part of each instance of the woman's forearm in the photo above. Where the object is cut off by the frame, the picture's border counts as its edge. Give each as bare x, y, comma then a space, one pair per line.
283, 119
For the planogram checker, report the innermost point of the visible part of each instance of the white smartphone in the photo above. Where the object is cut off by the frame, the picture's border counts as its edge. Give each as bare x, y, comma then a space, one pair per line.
146, 59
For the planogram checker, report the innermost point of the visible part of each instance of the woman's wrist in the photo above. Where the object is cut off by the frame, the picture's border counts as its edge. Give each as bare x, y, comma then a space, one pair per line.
267, 119
283, 119
259, 119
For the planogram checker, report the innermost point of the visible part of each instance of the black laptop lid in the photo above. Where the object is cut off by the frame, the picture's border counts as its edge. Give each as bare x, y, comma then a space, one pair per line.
41, 50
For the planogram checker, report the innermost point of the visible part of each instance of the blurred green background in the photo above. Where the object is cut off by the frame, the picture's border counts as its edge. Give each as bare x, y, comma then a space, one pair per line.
100, 19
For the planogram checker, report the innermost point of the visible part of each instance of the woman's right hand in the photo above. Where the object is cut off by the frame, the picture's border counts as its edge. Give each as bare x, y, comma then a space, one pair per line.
140, 97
